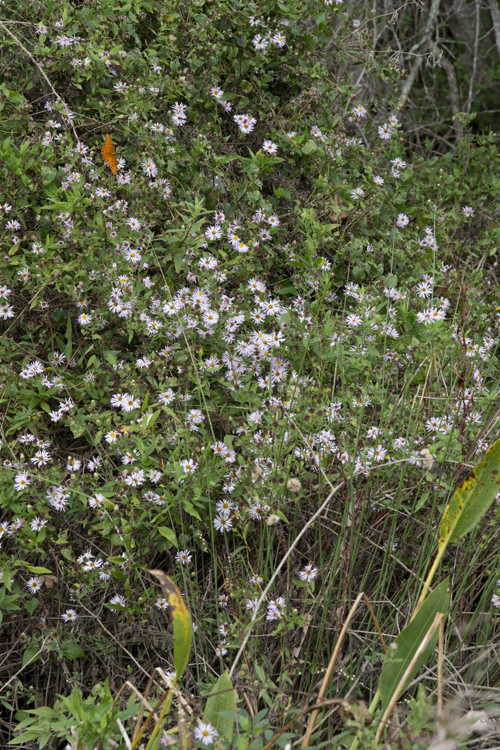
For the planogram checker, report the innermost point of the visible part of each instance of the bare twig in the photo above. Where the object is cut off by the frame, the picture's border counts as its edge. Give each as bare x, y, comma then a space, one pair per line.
495, 20
276, 572
40, 69
124, 734
331, 702
429, 28
120, 644
333, 660
453, 95
3, 687
400, 687
474, 62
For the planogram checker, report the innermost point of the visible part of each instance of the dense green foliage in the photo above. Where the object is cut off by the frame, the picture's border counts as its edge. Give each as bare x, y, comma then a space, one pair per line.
267, 297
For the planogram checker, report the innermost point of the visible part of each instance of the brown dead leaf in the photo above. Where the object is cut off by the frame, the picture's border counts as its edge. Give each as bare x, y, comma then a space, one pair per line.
49, 580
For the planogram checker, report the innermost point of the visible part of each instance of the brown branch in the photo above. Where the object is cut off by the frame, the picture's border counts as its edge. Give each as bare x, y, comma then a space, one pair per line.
495, 20
426, 36
453, 96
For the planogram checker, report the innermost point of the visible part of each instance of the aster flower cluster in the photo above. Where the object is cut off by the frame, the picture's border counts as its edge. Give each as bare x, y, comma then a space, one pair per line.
220, 353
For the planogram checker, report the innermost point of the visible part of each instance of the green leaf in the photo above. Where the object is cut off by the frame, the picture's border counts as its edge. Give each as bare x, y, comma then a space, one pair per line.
467, 506
13, 96
168, 534
189, 508
310, 146
93, 361
31, 605
224, 699
358, 273
152, 420
408, 641
110, 356
25, 737
29, 652
183, 626
178, 261
473, 498
68, 349
74, 703
420, 504
8, 602
72, 650
36, 569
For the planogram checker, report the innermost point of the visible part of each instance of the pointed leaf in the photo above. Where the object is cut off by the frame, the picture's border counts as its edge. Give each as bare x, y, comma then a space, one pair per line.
183, 627
36, 569
72, 650
68, 349
223, 699
467, 506
30, 652
473, 498
168, 534
408, 641
31, 605
152, 420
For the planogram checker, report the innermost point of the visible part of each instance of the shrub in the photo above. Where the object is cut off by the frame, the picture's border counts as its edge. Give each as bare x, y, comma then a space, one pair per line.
248, 297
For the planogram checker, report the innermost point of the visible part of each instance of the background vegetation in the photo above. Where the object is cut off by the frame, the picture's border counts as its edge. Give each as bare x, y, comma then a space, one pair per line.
257, 351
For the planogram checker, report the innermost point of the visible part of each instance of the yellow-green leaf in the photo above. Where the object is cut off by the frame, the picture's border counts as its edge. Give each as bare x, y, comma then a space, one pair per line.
168, 534
183, 627
36, 569
467, 506
473, 498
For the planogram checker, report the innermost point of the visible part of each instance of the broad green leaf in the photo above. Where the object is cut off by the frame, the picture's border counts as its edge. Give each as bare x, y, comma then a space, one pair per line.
309, 146
30, 652
189, 508
13, 96
408, 641
168, 534
74, 702
72, 650
31, 605
29, 736
183, 627
8, 602
473, 498
152, 420
111, 356
224, 699
468, 506
37, 569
